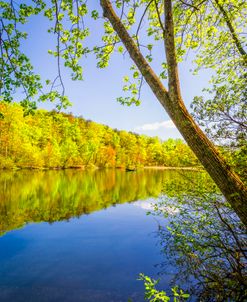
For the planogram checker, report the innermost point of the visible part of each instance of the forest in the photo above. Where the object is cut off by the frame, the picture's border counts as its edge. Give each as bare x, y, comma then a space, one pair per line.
58, 140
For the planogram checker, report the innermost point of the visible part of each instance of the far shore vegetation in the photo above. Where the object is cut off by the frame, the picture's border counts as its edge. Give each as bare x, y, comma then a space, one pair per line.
52, 140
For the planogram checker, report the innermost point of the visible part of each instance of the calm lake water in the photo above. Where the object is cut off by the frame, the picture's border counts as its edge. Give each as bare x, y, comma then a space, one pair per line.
80, 235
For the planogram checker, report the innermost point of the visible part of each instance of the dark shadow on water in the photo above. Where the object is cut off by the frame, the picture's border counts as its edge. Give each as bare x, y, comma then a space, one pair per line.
207, 243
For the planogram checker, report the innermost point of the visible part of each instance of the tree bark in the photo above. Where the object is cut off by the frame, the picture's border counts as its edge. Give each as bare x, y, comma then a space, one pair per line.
227, 181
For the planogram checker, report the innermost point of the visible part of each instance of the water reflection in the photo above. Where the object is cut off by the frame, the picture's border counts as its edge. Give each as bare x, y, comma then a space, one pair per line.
205, 240
35, 196
97, 257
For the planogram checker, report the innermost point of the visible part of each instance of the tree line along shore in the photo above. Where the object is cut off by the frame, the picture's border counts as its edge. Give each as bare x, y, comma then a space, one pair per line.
53, 140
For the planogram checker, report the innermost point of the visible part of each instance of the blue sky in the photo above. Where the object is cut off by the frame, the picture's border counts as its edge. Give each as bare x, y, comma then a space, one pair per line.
95, 97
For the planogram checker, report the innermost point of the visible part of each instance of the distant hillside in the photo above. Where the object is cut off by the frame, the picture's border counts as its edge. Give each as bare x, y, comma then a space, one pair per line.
58, 140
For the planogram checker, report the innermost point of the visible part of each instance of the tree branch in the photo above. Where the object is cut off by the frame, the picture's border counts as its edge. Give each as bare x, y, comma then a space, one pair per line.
173, 78
135, 54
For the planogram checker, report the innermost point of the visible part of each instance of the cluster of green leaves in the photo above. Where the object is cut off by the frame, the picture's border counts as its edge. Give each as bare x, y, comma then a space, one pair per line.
133, 86
51, 139
154, 295
224, 117
16, 69
71, 32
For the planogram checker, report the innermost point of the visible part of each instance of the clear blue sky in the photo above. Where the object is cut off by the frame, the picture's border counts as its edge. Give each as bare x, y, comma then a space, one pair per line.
95, 97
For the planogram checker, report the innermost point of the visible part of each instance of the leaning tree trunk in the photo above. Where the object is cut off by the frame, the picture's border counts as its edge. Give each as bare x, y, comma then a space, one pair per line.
227, 181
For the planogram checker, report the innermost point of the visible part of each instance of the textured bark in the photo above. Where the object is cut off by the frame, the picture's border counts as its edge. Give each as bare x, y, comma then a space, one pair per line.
227, 181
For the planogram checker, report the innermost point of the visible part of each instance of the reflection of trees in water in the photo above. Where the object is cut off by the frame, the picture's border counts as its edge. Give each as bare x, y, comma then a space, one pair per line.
34, 196
206, 241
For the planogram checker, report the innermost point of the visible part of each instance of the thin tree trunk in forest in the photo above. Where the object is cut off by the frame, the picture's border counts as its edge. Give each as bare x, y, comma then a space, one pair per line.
227, 181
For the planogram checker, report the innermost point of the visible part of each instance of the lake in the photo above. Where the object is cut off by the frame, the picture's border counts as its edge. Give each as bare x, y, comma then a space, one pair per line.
77, 235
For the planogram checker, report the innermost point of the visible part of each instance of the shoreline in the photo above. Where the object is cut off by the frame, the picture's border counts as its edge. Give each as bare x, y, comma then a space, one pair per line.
85, 168
174, 168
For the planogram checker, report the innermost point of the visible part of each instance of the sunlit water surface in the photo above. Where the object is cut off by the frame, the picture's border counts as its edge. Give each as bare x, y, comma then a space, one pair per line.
80, 235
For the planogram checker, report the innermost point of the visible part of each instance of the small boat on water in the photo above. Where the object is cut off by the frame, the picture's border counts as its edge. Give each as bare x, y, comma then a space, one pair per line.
130, 169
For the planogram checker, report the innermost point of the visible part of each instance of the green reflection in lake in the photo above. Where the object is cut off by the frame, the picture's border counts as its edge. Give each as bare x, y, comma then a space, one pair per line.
35, 196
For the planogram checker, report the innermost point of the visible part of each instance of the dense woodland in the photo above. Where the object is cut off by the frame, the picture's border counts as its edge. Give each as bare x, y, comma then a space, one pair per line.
59, 140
